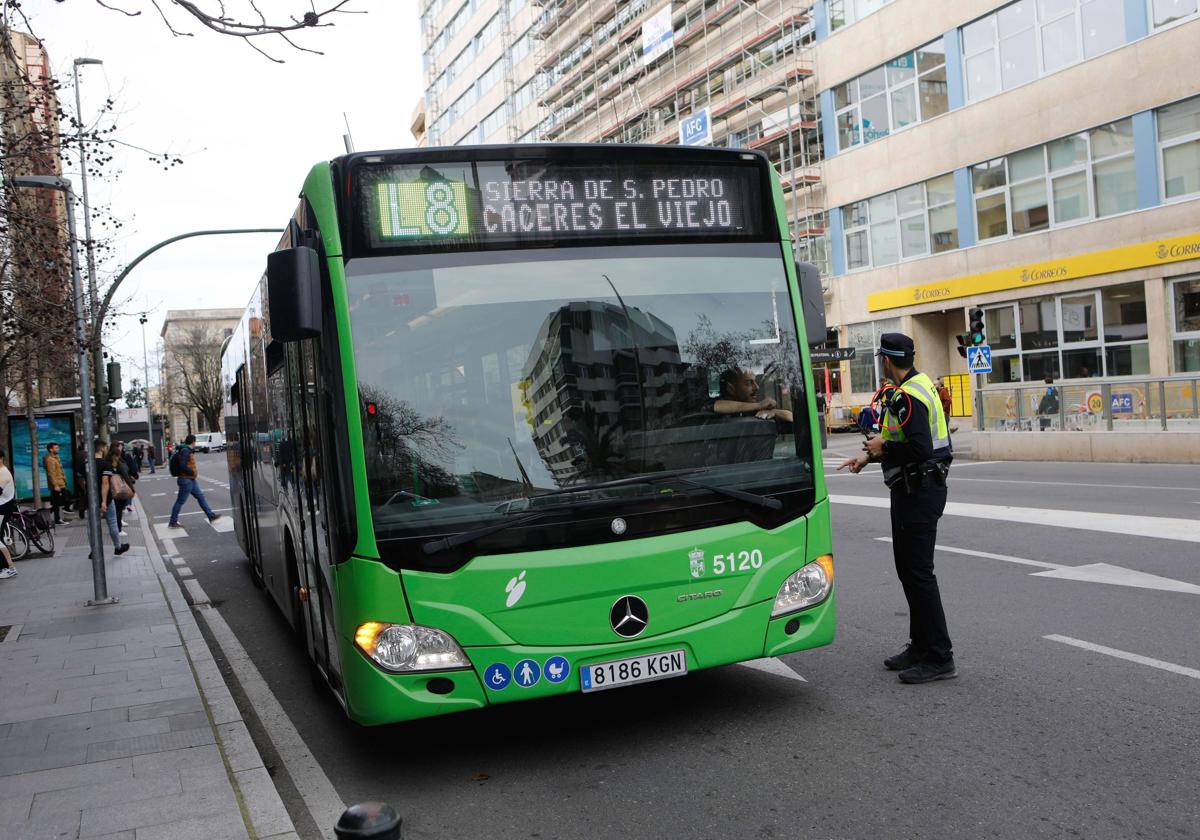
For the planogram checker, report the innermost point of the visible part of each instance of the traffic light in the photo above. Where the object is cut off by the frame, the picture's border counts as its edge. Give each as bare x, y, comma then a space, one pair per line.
976, 335
962, 344
114, 381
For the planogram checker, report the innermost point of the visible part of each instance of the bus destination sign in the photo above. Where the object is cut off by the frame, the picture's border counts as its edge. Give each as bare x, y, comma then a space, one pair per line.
469, 205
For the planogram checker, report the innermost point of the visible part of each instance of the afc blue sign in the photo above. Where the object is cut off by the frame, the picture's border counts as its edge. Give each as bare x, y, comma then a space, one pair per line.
1122, 403
696, 130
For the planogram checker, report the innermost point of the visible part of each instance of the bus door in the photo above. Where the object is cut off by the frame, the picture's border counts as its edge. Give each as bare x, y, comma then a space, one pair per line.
311, 506
246, 453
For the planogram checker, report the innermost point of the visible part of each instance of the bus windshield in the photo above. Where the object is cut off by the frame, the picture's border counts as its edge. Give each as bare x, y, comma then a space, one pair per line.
488, 380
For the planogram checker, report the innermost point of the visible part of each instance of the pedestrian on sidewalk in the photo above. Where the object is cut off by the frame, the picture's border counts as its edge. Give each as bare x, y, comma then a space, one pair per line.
150, 457
914, 448
79, 464
947, 400
8, 492
9, 570
106, 497
183, 467
122, 466
57, 479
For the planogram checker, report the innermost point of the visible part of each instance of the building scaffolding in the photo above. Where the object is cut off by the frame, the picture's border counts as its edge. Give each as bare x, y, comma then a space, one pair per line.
750, 64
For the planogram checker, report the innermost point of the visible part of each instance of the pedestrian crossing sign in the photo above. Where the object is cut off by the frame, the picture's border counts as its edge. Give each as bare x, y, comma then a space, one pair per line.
979, 359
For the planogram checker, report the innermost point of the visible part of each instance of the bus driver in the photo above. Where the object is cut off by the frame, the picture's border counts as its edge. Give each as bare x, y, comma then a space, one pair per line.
739, 395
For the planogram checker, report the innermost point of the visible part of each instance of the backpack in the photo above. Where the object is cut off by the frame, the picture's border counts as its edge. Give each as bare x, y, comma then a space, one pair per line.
178, 464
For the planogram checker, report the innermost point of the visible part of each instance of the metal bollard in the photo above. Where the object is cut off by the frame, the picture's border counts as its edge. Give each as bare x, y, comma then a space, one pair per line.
368, 821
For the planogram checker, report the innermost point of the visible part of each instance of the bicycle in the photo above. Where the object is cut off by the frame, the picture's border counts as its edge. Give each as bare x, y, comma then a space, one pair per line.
14, 538
36, 527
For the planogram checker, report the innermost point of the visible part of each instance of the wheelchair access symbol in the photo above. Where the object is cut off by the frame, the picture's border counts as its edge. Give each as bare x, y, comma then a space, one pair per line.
497, 676
979, 359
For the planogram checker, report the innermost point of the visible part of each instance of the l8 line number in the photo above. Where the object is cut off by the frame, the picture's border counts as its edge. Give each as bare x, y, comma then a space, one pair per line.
739, 561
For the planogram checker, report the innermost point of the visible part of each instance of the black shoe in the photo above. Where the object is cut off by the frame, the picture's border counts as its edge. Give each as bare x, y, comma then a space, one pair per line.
905, 659
924, 672
124, 547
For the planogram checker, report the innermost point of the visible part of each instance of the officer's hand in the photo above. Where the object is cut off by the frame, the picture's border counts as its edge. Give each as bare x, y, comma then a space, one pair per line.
874, 446
855, 464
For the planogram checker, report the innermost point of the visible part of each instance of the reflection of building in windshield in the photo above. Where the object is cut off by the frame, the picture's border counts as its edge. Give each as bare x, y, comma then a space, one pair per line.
585, 391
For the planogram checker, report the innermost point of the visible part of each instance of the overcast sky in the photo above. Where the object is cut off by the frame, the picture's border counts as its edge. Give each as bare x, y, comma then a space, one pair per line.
248, 130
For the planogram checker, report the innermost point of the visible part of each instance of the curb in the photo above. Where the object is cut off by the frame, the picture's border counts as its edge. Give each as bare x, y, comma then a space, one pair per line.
262, 809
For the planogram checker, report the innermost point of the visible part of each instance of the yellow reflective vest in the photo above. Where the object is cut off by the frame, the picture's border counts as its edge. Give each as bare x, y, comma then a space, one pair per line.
920, 387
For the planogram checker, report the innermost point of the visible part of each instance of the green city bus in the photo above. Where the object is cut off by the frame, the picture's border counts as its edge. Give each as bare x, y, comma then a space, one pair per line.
508, 422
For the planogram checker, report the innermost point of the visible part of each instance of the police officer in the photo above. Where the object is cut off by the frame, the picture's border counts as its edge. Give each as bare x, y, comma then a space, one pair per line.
914, 448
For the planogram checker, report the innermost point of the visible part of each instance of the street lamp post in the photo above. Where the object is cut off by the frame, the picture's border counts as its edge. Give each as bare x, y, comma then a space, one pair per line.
89, 247
146, 385
100, 584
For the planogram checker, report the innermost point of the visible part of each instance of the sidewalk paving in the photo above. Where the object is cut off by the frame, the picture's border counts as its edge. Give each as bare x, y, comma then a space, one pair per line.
115, 721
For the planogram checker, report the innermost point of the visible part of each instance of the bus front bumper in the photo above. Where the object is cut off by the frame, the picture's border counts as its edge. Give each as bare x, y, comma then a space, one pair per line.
374, 696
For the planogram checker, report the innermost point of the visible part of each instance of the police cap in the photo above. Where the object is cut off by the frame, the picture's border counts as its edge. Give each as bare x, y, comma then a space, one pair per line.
895, 345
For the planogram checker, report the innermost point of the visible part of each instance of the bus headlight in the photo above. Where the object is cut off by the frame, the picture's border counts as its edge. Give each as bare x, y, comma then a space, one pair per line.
409, 647
806, 587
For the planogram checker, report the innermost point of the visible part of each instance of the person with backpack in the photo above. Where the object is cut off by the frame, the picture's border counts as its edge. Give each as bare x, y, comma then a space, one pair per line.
183, 466
1048, 406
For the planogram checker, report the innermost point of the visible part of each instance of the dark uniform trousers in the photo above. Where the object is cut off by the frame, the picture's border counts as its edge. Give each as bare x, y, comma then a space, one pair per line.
914, 534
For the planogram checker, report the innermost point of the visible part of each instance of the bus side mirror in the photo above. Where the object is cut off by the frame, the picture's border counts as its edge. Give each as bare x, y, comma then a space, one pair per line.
812, 302
294, 294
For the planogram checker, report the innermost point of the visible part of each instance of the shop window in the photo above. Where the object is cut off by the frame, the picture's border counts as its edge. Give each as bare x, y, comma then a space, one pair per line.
1078, 335
1185, 323
1079, 318
1124, 312
1001, 328
1081, 364
1039, 323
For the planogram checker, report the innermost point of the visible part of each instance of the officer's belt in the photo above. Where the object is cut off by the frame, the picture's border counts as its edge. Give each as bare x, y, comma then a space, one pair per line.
915, 477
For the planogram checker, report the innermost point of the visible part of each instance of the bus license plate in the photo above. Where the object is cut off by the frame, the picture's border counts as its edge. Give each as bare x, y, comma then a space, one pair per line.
635, 669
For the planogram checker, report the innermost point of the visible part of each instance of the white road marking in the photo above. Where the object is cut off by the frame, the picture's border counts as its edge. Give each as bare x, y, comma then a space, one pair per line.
158, 494
1087, 573
989, 556
1131, 657
1075, 484
223, 525
194, 590
875, 468
771, 665
315, 789
1118, 576
194, 513
1158, 527
169, 546
165, 532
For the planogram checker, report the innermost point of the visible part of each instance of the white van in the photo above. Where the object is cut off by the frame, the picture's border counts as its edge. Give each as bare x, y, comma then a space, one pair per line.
210, 442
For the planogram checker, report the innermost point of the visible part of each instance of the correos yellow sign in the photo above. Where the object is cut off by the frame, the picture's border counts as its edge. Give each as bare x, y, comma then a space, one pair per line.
1143, 254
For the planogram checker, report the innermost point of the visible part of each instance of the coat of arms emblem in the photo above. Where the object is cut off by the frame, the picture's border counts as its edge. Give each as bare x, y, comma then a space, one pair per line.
696, 556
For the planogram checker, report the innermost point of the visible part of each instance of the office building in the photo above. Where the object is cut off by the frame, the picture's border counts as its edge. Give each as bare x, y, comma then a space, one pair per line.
191, 388
1039, 158
1051, 175
477, 58
37, 275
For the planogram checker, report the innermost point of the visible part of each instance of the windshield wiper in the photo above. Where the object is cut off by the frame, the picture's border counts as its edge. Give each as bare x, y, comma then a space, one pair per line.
435, 546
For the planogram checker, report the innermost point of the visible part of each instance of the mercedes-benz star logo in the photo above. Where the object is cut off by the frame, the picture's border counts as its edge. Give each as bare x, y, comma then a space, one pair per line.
629, 616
